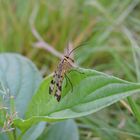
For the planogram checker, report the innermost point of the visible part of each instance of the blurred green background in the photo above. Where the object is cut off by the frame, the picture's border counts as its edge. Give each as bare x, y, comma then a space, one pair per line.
108, 32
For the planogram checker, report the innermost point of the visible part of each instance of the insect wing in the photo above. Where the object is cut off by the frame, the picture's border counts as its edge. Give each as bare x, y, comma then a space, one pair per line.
52, 84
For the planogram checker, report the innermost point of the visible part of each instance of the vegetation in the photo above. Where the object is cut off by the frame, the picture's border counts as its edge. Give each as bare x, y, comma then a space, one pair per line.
34, 35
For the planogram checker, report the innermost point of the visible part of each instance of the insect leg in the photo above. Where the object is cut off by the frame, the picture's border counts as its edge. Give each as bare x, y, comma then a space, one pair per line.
75, 71
66, 81
69, 82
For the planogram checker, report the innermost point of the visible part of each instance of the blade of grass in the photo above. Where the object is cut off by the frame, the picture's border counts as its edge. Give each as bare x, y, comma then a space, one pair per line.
135, 48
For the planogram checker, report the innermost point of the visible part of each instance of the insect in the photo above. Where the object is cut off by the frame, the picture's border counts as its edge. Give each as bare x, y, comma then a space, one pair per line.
63, 67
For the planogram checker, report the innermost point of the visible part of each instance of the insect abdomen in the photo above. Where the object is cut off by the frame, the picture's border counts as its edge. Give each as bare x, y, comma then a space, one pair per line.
59, 87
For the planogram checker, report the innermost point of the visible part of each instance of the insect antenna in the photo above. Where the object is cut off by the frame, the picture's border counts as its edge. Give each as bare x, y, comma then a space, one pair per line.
73, 50
79, 46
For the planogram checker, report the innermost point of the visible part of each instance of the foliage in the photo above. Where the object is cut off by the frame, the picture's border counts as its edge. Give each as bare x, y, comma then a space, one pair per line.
92, 91
109, 34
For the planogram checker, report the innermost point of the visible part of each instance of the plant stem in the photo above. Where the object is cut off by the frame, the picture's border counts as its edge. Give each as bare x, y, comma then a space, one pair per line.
10, 135
14, 132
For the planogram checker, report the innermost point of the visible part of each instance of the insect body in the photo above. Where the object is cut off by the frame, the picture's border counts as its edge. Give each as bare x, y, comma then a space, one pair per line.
63, 67
56, 83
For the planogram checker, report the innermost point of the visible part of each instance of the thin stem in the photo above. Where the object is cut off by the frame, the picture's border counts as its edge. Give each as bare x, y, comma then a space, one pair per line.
126, 106
14, 132
41, 43
10, 135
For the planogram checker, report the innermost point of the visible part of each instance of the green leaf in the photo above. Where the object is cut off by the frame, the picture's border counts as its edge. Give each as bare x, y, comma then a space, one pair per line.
34, 132
20, 77
66, 130
3, 136
92, 91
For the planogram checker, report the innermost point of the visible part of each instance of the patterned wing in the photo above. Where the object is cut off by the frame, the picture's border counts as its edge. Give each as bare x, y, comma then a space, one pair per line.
58, 90
59, 79
52, 85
